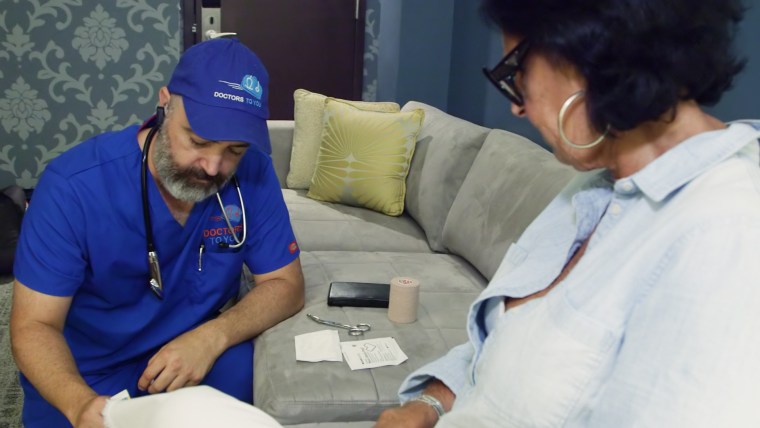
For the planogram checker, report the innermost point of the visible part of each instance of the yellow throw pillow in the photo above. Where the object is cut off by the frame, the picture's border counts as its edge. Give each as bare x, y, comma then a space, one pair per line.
364, 157
307, 133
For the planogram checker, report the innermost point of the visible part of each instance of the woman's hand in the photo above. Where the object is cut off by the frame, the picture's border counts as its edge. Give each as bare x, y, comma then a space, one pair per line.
413, 414
417, 414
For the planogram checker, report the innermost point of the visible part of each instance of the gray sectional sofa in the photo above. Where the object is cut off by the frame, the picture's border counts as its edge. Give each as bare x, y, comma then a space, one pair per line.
471, 191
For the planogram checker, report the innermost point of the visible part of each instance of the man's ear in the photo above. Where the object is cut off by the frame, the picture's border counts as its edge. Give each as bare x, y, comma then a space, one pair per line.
164, 96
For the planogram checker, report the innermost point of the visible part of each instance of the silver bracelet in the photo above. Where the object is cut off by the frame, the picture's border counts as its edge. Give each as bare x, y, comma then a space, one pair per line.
432, 402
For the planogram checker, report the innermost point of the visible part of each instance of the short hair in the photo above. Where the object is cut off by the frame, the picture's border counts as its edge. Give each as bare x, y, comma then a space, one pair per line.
638, 57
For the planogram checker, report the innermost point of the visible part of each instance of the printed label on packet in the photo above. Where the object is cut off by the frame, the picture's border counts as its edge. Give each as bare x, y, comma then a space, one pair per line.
371, 353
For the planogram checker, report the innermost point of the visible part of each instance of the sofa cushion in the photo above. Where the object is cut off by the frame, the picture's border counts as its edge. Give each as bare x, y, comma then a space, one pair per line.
308, 111
281, 138
327, 226
446, 147
364, 157
510, 183
299, 392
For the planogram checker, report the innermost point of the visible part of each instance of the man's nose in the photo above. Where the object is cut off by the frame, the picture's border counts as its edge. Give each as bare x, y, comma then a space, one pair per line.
211, 164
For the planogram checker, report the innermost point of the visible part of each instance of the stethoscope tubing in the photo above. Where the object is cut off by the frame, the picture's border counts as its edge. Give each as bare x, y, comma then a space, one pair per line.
238, 242
155, 282
144, 189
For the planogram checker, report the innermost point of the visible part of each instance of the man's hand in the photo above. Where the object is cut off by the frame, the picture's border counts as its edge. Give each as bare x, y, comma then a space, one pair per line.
184, 361
91, 414
413, 414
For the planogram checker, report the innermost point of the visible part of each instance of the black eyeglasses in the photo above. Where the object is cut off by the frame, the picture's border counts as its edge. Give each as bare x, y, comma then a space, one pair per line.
502, 75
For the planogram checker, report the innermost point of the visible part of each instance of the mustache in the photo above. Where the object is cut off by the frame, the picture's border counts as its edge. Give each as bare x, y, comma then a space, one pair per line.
219, 180
187, 183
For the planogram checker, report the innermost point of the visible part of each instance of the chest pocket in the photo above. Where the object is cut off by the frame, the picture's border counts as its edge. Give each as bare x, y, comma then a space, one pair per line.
541, 365
219, 266
217, 275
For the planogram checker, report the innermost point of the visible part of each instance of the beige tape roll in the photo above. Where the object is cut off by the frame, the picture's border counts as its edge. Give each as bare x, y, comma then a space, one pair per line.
403, 300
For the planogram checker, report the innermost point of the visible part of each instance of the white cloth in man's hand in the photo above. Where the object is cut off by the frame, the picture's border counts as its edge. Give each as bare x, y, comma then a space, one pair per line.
193, 407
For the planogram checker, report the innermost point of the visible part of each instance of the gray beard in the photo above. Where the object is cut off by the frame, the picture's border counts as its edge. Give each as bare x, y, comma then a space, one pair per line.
179, 181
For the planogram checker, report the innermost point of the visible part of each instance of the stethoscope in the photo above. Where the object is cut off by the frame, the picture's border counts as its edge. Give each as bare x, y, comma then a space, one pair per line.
155, 282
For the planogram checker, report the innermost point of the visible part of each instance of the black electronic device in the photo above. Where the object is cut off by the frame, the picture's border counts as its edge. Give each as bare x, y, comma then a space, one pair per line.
362, 294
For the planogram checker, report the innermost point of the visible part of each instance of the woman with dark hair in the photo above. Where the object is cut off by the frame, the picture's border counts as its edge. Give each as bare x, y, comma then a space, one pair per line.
632, 300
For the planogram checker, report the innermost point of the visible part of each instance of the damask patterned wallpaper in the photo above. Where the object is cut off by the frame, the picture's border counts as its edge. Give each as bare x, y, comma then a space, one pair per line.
371, 50
70, 70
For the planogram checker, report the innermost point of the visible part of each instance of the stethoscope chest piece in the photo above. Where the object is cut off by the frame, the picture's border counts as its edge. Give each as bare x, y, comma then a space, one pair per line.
155, 282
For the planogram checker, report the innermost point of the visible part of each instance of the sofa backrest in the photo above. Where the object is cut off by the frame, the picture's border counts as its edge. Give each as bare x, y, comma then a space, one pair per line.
446, 147
281, 137
510, 182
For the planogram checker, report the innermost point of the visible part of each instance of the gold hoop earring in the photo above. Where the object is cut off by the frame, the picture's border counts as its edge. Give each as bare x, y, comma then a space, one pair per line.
561, 119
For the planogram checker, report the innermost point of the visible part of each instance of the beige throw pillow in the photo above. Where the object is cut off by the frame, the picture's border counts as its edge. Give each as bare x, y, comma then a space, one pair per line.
307, 133
364, 157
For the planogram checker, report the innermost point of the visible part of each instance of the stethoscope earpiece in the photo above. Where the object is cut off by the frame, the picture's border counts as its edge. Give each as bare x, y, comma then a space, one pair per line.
160, 115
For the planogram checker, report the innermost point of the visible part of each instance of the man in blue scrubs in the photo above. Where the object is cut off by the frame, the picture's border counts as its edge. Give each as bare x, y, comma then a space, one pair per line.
86, 323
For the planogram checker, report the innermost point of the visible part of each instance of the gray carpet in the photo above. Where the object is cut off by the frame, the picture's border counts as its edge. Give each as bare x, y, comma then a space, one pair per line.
11, 397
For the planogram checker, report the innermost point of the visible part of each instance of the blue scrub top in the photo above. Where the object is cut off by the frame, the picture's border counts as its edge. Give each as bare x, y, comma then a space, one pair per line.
83, 236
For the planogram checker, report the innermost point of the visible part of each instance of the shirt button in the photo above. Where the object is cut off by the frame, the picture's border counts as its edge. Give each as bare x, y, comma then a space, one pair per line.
627, 186
615, 209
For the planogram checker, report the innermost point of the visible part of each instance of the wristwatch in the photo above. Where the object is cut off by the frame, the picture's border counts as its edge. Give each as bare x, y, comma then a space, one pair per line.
432, 402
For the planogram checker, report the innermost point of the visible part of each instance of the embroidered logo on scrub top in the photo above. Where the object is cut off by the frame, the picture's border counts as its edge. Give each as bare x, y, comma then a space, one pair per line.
233, 213
217, 232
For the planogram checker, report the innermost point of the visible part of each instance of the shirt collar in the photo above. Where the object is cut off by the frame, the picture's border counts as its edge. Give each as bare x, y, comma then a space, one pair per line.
149, 123
692, 157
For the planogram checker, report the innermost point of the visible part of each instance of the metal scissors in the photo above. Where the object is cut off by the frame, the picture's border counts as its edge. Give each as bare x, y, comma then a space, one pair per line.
353, 330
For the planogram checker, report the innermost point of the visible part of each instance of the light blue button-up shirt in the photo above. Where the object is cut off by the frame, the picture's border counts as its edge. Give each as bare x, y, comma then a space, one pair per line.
658, 325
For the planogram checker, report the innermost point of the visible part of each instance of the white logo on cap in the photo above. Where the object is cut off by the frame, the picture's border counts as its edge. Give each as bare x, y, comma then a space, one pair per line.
250, 84
232, 85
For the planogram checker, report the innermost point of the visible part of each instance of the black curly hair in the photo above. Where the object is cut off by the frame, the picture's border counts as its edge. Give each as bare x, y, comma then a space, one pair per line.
639, 57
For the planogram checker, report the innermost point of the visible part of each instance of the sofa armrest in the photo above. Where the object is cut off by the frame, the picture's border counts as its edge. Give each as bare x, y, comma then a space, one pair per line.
281, 137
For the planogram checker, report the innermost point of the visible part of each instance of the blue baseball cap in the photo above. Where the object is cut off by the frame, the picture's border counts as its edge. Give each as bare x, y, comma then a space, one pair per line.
224, 88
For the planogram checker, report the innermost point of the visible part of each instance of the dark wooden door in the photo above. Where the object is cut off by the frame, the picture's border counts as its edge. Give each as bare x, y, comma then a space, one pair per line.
316, 45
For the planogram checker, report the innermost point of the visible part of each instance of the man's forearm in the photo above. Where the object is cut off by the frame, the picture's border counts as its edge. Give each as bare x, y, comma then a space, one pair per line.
43, 356
265, 305
187, 358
